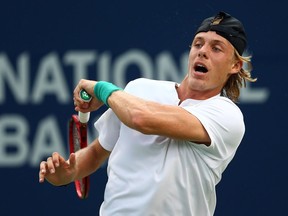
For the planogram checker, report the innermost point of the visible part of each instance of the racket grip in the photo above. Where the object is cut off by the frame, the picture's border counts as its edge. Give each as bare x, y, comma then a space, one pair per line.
84, 117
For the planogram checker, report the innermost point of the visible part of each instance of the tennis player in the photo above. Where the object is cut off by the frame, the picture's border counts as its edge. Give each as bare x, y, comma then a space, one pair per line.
168, 143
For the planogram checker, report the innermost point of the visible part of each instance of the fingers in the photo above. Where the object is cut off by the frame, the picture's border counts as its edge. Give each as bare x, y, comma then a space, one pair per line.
88, 85
43, 171
78, 102
49, 166
81, 85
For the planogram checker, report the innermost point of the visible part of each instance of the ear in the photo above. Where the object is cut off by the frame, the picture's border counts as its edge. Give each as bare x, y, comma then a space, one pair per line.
236, 67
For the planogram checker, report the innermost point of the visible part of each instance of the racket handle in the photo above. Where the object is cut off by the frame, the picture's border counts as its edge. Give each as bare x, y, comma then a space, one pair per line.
84, 117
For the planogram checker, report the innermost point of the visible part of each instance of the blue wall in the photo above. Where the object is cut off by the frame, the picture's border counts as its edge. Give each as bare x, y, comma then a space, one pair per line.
46, 46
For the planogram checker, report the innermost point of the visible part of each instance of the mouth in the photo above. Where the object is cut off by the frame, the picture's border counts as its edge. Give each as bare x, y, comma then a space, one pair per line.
200, 68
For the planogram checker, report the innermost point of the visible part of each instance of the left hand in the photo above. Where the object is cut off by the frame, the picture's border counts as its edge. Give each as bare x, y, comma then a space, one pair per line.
80, 105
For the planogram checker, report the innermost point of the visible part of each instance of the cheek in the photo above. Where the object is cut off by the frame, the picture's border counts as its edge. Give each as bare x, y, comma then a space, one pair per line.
224, 67
222, 77
222, 72
192, 54
190, 61
191, 57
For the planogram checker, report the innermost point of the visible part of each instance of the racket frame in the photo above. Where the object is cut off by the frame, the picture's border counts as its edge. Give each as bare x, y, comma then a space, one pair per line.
82, 185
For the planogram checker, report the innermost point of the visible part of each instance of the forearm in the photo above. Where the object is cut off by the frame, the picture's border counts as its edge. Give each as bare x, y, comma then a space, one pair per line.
90, 159
154, 118
142, 115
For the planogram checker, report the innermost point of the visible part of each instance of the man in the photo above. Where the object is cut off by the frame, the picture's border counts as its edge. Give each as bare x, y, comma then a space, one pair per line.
167, 143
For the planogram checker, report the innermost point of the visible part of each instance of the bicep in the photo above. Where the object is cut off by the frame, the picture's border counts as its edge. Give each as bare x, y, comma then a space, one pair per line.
100, 154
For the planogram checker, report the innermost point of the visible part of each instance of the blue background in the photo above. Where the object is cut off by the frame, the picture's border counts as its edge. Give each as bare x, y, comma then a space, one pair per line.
255, 183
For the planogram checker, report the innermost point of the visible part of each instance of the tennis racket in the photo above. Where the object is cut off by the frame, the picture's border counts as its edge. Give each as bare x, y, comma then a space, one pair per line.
78, 140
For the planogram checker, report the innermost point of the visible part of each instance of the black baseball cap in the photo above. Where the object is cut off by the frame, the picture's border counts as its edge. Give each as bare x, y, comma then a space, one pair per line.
228, 27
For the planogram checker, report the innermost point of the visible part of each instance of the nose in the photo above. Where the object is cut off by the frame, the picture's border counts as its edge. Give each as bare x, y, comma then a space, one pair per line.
202, 54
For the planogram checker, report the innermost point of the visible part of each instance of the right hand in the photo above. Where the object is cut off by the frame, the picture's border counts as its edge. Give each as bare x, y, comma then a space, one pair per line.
57, 171
82, 106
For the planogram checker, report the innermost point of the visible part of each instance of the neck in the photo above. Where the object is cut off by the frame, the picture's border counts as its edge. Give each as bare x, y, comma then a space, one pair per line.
187, 92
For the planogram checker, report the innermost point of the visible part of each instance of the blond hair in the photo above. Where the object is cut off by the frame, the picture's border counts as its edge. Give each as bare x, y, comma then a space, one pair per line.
236, 81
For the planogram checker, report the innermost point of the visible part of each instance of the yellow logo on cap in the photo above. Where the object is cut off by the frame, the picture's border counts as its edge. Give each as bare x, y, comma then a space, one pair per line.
216, 20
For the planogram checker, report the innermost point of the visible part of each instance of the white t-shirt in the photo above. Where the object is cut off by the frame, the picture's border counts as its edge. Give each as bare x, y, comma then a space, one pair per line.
155, 175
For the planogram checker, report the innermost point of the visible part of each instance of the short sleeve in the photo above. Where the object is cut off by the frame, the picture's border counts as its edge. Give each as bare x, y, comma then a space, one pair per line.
224, 123
108, 127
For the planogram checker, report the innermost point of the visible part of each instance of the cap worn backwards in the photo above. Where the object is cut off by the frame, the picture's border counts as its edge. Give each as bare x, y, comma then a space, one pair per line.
228, 27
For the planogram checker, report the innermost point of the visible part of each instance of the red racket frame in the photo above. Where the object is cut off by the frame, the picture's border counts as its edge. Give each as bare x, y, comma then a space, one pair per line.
82, 186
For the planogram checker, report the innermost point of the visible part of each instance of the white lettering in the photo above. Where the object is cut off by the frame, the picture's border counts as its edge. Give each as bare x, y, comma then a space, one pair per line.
50, 80
80, 60
104, 66
14, 140
254, 95
136, 57
18, 83
47, 140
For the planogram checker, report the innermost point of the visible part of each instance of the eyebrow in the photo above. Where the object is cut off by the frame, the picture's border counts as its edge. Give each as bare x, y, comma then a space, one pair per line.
213, 41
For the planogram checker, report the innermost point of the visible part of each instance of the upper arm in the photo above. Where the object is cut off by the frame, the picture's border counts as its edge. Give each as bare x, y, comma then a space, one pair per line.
100, 153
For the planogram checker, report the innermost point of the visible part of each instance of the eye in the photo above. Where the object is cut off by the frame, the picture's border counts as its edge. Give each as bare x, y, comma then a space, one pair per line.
216, 49
197, 44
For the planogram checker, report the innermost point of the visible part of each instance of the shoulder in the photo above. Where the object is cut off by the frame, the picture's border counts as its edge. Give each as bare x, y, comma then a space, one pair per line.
227, 107
218, 103
222, 103
217, 109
